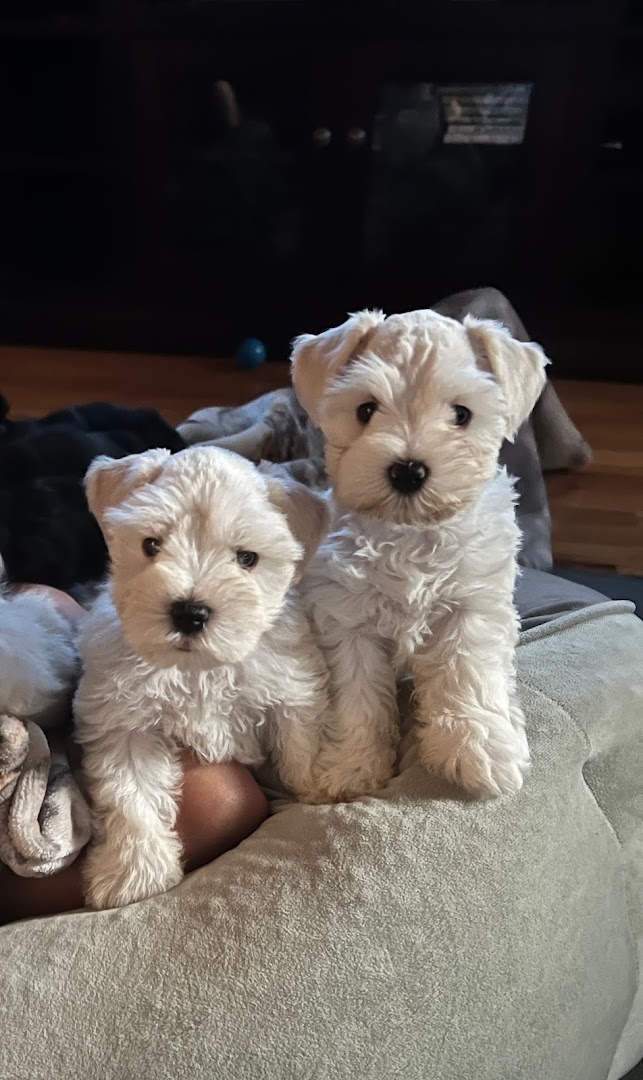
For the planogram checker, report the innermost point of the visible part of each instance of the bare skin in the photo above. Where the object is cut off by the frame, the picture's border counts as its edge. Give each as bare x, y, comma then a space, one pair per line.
220, 805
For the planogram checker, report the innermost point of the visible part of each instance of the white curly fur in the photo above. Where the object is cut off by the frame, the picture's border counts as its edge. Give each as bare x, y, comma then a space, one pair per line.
420, 583
251, 684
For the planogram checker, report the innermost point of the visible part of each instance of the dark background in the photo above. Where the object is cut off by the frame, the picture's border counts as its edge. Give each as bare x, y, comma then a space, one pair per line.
178, 176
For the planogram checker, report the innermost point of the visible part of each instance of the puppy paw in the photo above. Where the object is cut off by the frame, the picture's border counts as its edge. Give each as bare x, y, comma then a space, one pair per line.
115, 877
484, 765
300, 783
483, 773
335, 784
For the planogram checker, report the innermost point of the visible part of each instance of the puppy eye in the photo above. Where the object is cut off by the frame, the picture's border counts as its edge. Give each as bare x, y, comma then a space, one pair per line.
365, 411
151, 546
462, 415
247, 559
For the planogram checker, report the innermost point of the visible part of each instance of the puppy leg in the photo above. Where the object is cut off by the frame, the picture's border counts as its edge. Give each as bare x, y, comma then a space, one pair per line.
296, 721
133, 783
361, 733
470, 725
295, 744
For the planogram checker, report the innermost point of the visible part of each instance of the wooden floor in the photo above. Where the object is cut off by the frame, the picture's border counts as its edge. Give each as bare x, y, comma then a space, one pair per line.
597, 513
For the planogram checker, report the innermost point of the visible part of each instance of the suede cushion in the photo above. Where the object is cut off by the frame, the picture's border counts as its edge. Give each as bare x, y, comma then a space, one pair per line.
415, 934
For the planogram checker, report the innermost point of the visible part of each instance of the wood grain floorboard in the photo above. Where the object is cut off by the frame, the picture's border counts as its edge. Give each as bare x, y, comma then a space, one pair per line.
597, 512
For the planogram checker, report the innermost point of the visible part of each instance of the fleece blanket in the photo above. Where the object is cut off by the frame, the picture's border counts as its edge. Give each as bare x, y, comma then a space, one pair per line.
44, 817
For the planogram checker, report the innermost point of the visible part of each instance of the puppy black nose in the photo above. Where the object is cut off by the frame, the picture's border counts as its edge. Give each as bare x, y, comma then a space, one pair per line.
189, 616
407, 476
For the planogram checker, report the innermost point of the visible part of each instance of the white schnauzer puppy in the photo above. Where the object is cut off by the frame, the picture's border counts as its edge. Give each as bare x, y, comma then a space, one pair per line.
197, 641
418, 573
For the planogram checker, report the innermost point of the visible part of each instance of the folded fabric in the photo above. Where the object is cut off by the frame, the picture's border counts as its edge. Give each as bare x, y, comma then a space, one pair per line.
44, 819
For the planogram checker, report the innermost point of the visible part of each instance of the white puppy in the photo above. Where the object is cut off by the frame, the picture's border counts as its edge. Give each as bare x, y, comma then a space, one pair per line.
197, 642
418, 574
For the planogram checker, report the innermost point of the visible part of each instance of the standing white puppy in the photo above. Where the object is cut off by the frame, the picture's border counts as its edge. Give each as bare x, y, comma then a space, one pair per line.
419, 571
197, 642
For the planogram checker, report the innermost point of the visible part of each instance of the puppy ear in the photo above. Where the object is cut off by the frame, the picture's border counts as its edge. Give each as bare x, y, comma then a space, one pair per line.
109, 481
318, 359
519, 367
306, 512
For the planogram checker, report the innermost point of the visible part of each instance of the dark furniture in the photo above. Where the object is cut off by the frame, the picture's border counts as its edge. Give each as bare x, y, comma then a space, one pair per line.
176, 176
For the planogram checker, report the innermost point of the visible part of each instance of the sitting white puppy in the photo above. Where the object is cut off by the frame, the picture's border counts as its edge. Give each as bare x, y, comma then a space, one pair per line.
196, 642
418, 574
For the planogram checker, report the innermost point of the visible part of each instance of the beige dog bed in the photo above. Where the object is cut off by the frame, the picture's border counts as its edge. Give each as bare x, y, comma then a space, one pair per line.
412, 935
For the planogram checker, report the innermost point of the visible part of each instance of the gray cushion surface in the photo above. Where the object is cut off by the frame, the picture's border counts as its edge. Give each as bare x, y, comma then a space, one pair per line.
415, 934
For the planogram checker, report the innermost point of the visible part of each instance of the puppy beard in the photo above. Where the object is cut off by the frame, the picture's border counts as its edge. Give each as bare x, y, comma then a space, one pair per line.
232, 632
361, 484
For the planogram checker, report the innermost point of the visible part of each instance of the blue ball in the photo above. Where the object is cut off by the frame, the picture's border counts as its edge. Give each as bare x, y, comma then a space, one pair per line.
251, 353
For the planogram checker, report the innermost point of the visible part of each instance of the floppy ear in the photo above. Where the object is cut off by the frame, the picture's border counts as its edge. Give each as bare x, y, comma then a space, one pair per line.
519, 367
109, 481
318, 359
306, 512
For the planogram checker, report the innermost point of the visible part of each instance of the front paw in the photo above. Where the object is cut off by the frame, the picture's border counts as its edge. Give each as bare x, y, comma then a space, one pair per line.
486, 763
337, 782
119, 875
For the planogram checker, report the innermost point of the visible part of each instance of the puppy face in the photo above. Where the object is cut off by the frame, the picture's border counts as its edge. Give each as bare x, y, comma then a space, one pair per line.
414, 409
202, 556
